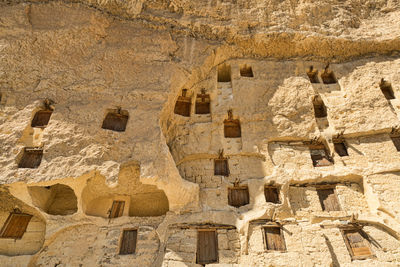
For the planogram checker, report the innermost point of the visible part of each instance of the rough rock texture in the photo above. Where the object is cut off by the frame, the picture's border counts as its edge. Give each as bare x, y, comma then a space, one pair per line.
94, 57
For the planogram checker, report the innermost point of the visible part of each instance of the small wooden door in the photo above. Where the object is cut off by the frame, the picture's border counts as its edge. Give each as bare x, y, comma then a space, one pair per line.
221, 167
128, 242
207, 247
15, 226
31, 158
274, 239
41, 118
238, 196
319, 109
396, 142
271, 194
202, 104
313, 76
328, 199
357, 244
232, 129
328, 77
115, 122
117, 209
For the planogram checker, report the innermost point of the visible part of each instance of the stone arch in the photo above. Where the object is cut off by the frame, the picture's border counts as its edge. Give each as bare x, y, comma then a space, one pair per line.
58, 199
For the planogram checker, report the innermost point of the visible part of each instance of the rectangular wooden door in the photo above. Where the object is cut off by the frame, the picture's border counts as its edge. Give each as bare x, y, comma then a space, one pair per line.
117, 209
274, 239
128, 242
328, 199
15, 225
207, 247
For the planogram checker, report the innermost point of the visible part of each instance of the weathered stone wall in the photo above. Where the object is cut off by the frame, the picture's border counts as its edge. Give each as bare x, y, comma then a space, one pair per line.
91, 57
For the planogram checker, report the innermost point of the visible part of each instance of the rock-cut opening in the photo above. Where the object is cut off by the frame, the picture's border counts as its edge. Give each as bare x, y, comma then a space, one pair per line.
57, 199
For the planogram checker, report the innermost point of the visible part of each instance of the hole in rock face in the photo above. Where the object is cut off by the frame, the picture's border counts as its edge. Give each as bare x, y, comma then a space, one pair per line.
341, 148
328, 199
56, 199
31, 158
116, 120
312, 74
319, 107
224, 73
271, 194
203, 103
246, 71
396, 142
327, 76
387, 90
320, 157
41, 118
183, 104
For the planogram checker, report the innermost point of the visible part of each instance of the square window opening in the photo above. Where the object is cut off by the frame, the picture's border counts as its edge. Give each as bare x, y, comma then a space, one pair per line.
41, 118
341, 149
246, 71
116, 120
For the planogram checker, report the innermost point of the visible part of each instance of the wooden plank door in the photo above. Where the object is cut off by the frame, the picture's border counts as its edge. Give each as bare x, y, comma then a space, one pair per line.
221, 167
117, 209
238, 196
15, 225
128, 242
271, 194
357, 243
207, 247
328, 199
274, 239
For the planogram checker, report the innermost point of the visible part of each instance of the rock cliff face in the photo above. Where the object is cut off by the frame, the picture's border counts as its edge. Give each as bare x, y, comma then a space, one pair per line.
189, 133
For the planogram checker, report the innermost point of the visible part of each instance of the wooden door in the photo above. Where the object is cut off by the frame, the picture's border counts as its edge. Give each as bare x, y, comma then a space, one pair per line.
358, 245
274, 239
128, 242
207, 247
271, 194
328, 199
31, 158
115, 122
41, 118
182, 106
117, 209
15, 226
232, 129
202, 104
221, 167
238, 196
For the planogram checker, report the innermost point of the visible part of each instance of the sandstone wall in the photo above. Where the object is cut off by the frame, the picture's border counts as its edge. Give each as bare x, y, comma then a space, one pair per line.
93, 57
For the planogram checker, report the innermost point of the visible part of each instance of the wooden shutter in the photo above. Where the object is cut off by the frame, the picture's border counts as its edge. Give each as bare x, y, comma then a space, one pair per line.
128, 242
232, 129
15, 225
238, 196
271, 194
221, 167
274, 239
41, 118
202, 104
117, 209
328, 199
182, 106
357, 244
31, 158
115, 122
396, 142
207, 247
341, 149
